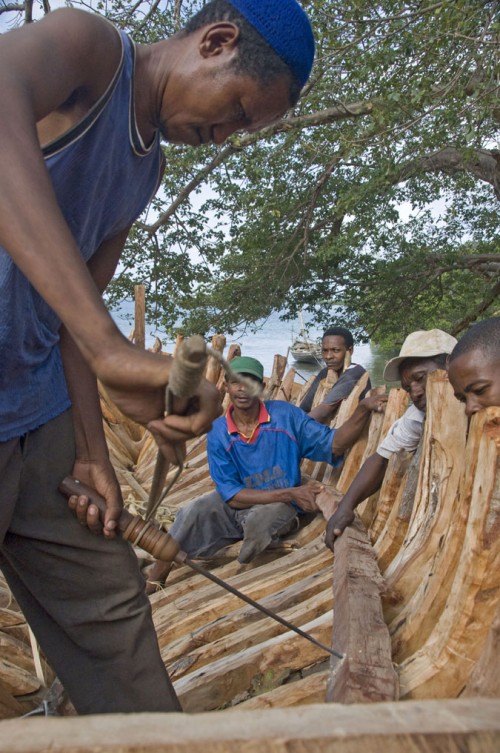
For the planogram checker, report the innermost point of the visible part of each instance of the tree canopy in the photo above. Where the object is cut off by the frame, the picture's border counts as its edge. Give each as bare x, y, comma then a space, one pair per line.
373, 203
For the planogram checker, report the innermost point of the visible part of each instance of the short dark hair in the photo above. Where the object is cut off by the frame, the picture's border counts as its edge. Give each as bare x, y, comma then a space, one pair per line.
483, 336
256, 58
340, 332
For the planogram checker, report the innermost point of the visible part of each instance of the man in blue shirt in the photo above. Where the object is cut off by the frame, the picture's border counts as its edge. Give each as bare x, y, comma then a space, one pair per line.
254, 455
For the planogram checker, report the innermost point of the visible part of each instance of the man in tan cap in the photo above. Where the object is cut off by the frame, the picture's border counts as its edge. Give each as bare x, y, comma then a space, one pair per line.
422, 352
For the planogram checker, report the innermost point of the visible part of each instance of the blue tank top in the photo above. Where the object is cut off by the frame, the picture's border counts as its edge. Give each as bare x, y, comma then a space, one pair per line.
103, 177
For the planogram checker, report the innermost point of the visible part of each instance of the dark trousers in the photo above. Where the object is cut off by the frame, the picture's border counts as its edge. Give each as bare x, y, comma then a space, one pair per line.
82, 595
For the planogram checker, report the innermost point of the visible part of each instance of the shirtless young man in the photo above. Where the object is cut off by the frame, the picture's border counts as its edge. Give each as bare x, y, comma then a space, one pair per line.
99, 106
474, 366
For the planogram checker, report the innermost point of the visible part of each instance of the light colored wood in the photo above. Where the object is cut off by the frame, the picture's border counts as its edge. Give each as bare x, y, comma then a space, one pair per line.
395, 407
391, 538
260, 630
214, 368
307, 690
257, 669
390, 492
365, 673
285, 390
441, 668
485, 677
452, 726
276, 379
440, 472
420, 613
140, 316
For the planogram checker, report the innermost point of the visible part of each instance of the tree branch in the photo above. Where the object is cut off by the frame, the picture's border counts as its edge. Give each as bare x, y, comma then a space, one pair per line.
476, 312
484, 165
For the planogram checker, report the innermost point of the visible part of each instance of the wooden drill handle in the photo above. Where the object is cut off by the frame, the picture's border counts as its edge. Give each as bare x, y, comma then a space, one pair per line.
188, 367
158, 543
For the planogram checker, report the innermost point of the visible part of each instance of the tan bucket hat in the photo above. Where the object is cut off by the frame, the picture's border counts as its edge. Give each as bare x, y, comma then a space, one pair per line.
420, 344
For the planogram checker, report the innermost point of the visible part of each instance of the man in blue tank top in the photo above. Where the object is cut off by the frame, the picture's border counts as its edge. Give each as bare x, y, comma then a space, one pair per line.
83, 112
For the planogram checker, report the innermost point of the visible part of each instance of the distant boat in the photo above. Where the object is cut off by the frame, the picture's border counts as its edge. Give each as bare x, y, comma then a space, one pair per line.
305, 350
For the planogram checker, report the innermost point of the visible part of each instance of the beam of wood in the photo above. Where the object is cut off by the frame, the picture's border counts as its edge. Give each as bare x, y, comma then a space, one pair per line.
249, 634
441, 668
418, 617
140, 316
255, 669
193, 609
285, 389
214, 368
391, 537
439, 479
366, 672
307, 690
485, 677
394, 409
452, 726
276, 378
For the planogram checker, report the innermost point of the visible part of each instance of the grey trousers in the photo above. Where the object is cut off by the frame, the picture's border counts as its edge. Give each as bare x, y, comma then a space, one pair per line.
82, 595
208, 523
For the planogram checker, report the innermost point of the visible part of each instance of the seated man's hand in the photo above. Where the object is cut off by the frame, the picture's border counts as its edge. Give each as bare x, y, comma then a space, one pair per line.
341, 518
305, 496
375, 403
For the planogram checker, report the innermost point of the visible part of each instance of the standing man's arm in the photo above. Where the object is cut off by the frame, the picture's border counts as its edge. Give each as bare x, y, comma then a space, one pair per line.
92, 464
348, 433
41, 66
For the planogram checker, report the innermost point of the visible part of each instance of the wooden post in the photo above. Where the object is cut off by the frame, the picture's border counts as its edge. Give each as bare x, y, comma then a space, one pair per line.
140, 316
366, 672
279, 366
214, 367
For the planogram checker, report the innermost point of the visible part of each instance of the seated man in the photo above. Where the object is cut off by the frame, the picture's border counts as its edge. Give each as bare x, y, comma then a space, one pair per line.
337, 348
474, 366
422, 353
254, 455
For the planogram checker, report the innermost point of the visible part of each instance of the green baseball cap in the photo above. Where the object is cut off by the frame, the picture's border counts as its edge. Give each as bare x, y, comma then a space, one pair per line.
247, 365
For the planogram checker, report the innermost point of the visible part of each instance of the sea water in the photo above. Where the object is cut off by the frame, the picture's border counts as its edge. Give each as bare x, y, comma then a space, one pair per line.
271, 337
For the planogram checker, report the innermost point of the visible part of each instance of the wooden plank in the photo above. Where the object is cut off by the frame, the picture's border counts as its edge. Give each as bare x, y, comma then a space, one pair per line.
485, 677
392, 535
441, 668
437, 492
307, 690
140, 316
256, 669
214, 367
452, 726
365, 673
259, 630
418, 617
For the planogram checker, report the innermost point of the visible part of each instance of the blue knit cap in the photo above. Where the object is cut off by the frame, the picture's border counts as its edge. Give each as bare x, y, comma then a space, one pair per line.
286, 28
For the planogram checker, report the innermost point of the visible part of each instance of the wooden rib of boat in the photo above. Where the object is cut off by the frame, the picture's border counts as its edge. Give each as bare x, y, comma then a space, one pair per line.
414, 608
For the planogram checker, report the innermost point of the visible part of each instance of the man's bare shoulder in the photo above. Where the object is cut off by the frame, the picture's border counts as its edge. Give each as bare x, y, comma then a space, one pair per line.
84, 53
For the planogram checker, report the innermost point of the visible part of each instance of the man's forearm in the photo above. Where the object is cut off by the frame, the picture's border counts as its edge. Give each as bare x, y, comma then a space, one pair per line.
348, 433
249, 497
366, 482
87, 417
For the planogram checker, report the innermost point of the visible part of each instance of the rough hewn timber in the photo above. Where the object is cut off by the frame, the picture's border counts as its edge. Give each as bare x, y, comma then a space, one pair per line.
366, 672
453, 726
